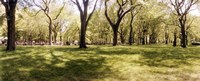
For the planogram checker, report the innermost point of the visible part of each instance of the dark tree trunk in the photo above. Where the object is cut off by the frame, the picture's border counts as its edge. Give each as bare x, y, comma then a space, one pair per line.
82, 36
153, 38
55, 37
122, 36
131, 35
84, 17
30, 39
143, 38
139, 38
115, 35
61, 40
166, 38
166, 35
175, 38
133, 38
10, 13
50, 32
186, 38
183, 33
131, 30
183, 38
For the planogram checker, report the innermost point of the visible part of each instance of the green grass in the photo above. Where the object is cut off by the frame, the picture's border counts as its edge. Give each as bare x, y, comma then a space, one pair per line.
101, 63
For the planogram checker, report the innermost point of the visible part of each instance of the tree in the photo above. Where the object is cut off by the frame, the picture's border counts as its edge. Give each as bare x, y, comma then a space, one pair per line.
10, 8
131, 35
45, 6
29, 28
84, 17
58, 22
182, 8
123, 31
121, 12
101, 34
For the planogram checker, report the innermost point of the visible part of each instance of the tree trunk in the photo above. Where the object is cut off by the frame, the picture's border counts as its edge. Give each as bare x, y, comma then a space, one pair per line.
133, 38
115, 35
166, 35
50, 32
186, 38
146, 39
183, 39
131, 35
122, 36
55, 37
61, 40
83, 34
143, 39
10, 13
175, 38
183, 35
122, 39
166, 38
139, 37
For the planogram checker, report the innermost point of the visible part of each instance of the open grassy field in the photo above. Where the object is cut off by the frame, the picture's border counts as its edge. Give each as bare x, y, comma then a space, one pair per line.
101, 63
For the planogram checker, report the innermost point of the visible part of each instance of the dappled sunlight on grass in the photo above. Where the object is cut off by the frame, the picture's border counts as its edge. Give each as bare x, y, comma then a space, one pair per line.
101, 63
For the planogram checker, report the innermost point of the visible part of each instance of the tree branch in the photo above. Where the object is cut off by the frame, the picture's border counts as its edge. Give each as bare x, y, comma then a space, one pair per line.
89, 17
59, 12
79, 6
106, 14
38, 5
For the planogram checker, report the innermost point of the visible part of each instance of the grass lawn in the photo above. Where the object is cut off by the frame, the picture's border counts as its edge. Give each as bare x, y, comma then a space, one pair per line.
101, 63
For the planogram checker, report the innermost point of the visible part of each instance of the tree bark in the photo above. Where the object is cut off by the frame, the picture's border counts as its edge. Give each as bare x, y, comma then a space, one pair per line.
186, 38
61, 40
115, 35
82, 35
183, 35
55, 37
166, 35
10, 8
83, 17
122, 36
50, 30
166, 38
175, 38
143, 37
183, 38
131, 30
131, 35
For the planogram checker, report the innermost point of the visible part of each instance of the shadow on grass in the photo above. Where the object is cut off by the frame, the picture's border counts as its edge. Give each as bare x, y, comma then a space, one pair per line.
99, 51
41, 64
169, 57
154, 56
39, 68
